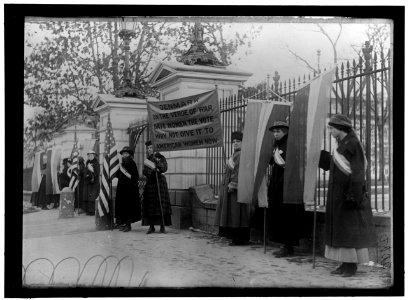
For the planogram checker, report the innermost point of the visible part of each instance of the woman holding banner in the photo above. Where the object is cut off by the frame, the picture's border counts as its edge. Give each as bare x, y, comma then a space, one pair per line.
233, 218
348, 218
156, 208
284, 220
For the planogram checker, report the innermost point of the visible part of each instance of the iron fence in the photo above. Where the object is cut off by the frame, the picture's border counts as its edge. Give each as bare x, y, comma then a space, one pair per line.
361, 90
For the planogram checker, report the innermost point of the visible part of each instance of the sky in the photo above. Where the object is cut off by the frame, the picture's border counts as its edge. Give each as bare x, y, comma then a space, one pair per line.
269, 51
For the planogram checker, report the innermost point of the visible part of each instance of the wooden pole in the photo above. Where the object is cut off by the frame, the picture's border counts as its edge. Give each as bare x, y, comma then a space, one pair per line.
314, 230
160, 200
264, 231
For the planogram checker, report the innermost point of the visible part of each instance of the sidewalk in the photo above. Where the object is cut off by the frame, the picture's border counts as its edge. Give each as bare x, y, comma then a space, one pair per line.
179, 258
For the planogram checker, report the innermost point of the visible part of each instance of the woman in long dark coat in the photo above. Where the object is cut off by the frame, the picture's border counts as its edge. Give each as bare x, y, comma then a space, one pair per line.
127, 201
91, 183
232, 217
79, 195
348, 218
154, 166
64, 177
42, 190
285, 221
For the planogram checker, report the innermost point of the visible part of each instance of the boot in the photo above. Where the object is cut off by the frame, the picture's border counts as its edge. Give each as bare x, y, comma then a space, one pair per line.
162, 229
126, 228
339, 270
284, 252
350, 269
150, 230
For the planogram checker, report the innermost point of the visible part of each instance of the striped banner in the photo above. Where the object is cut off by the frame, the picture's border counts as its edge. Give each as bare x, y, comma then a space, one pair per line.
311, 106
137, 134
109, 169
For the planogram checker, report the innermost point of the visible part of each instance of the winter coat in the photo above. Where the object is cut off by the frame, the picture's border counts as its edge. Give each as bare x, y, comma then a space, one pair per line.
348, 218
229, 212
151, 207
127, 201
64, 179
91, 185
285, 221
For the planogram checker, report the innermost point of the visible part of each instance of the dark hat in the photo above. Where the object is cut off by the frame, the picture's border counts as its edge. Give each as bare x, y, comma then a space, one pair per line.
236, 135
279, 124
148, 143
66, 160
91, 152
340, 120
128, 150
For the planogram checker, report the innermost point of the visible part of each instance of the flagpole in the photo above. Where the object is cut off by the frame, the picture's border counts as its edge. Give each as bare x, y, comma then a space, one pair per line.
265, 210
314, 229
160, 199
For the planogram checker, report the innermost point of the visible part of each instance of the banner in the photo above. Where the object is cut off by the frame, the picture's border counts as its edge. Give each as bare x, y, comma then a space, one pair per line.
257, 149
55, 168
187, 123
311, 106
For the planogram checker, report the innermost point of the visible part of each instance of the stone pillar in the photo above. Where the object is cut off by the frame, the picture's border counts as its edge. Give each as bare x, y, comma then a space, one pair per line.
122, 112
187, 168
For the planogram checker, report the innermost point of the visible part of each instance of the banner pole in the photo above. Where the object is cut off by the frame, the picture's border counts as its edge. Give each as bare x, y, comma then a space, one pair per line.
314, 230
264, 231
160, 200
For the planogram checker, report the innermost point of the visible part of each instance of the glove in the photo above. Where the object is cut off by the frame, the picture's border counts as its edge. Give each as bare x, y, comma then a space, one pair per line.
354, 196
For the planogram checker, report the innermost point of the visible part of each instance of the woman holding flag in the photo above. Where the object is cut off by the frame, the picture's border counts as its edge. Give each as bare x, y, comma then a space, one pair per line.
127, 201
348, 218
91, 183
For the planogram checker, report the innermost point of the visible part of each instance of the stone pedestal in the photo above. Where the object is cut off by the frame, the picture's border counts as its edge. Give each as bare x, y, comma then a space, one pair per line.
175, 80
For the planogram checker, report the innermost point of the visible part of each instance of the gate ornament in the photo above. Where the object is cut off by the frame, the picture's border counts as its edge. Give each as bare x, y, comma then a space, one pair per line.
198, 54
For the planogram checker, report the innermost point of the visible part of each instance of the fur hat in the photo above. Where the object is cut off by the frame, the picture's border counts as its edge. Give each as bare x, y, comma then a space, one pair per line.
236, 135
148, 143
279, 124
66, 160
340, 120
128, 150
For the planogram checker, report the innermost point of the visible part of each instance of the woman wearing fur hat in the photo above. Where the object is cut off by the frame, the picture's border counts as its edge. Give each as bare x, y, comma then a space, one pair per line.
91, 183
348, 218
233, 218
127, 201
285, 221
64, 177
156, 208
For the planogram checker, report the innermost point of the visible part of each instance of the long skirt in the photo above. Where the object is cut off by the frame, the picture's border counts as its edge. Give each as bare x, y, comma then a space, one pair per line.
348, 255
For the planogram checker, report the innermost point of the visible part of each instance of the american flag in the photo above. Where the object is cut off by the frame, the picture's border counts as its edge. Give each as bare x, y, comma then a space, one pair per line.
137, 135
110, 167
74, 166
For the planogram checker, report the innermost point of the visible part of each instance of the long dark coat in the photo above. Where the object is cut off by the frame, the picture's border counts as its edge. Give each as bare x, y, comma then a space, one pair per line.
43, 198
285, 221
127, 201
79, 195
349, 224
229, 212
64, 179
151, 213
91, 186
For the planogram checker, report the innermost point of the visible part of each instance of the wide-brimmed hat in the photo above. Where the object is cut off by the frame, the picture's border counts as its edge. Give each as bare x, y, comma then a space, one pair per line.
148, 143
340, 120
237, 135
279, 124
127, 149
92, 152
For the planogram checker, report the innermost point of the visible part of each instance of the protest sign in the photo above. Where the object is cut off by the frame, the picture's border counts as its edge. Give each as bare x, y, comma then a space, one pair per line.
186, 123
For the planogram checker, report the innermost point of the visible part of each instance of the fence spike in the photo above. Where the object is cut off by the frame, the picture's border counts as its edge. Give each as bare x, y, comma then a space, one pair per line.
348, 68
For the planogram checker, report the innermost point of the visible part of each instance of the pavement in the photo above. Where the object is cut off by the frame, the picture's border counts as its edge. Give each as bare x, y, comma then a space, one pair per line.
70, 252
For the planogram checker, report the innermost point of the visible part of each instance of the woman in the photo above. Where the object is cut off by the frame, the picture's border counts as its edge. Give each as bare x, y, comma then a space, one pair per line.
79, 195
91, 183
285, 221
348, 219
155, 210
64, 177
233, 218
127, 202
42, 193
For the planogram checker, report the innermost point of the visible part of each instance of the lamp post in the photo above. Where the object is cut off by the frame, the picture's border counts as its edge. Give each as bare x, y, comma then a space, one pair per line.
127, 87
